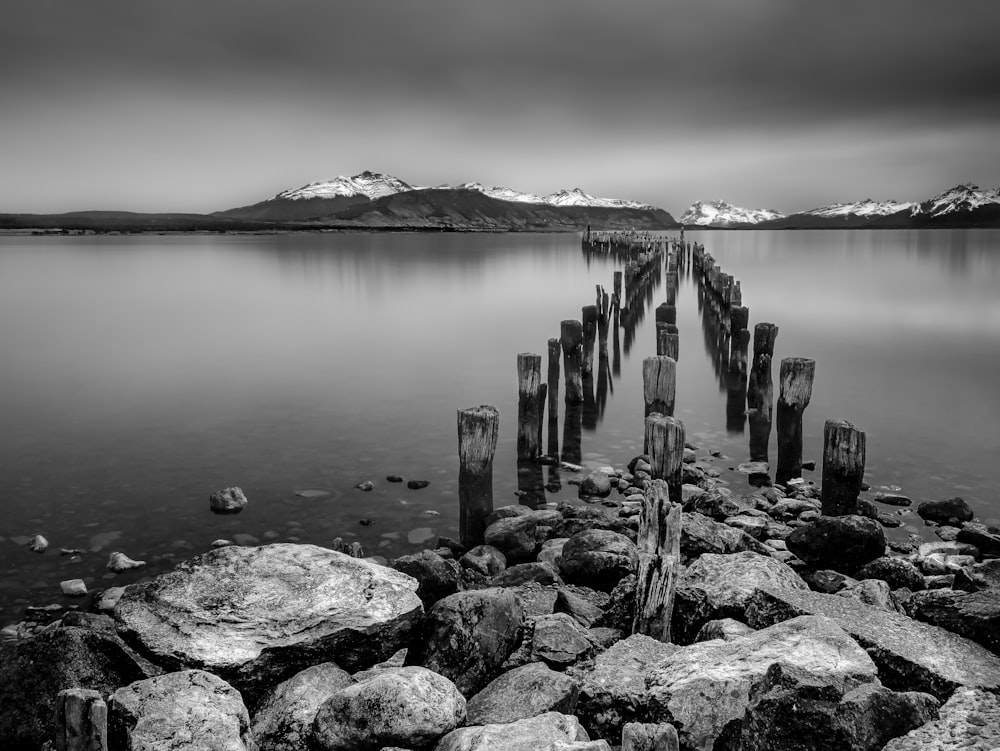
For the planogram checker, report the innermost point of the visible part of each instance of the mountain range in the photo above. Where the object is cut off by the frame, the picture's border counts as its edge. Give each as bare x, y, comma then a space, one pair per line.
962, 206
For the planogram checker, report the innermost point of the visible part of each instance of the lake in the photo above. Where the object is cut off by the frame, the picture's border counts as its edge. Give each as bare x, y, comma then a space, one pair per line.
139, 374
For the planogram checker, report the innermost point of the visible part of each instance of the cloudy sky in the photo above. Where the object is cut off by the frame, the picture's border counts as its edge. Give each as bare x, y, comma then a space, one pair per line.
199, 105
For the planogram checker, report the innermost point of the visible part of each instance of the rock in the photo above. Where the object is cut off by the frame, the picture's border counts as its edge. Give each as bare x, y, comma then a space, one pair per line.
974, 615
578, 608
109, 598
893, 499
551, 550
987, 539
874, 592
119, 562
648, 736
613, 686
486, 559
286, 607
365, 485
514, 536
73, 587
721, 586
945, 511
704, 687
759, 527
723, 628
37, 668
38, 544
406, 706
467, 636
619, 612
393, 478
599, 745
559, 641
700, 535
227, 501
842, 543
437, 576
827, 581
754, 468
596, 484
542, 573
970, 719
523, 692
718, 504
192, 706
896, 572
531, 734
417, 484
598, 558
911, 656
788, 706
945, 548
284, 720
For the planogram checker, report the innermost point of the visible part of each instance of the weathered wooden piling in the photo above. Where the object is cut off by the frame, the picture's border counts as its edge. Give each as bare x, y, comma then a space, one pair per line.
659, 546
667, 340
589, 315
81, 720
795, 381
671, 285
666, 313
760, 390
478, 428
659, 384
618, 286
529, 405
665, 445
552, 449
843, 467
572, 346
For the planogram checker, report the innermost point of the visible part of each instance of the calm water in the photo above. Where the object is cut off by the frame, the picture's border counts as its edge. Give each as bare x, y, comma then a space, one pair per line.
140, 374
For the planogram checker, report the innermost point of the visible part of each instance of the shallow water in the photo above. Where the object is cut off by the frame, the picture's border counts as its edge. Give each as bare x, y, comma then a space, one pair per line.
140, 374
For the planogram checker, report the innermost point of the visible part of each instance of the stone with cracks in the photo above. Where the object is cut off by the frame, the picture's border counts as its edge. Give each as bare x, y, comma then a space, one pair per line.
256, 616
531, 734
514, 536
558, 640
191, 709
843, 543
523, 692
409, 707
969, 720
911, 656
974, 615
284, 720
701, 535
438, 577
598, 558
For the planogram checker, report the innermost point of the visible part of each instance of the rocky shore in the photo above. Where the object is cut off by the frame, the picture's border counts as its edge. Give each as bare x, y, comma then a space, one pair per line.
790, 630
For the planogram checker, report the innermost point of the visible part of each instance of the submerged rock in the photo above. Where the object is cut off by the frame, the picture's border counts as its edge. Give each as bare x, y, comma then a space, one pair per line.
119, 562
227, 501
38, 544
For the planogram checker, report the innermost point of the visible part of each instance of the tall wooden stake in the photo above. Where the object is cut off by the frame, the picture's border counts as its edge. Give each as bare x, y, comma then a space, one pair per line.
795, 381
665, 444
572, 347
843, 467
659, 546
478, 428
529, 415
589, 337
659, 384
552, 449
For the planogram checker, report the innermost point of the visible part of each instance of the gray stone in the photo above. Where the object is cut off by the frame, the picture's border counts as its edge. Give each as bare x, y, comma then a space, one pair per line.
874, 592
119, 562
521, 573
551, 550
523, 692
974, 615
73, 587
726, 629
531, 734
945, 510
437, 577
896, 572
256, 616
407, 706
558, 640
841, 543
467, 636
284, 720
38, 544
969, 720
582, 610
700, 535
514, 536
598, 558
191, 707
486, 559
986, 539
595, 484
643, 736
227, 501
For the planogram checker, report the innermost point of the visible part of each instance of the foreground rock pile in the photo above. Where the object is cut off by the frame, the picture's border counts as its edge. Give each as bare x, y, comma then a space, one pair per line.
790, 630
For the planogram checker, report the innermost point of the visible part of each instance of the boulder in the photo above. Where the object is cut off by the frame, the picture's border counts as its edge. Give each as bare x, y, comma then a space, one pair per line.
531, 734
559, 641
826, 581
896, 572
704, 687
191, 707
437, 577
761, 528
227, 501
700, 535
974, 615
551, 550
256, 616
36, 669
485, 559
408, 707
721, 586
598, 558
467, 636
523, 692
284, 720
514, 536
945, 511
521, 573
723, 628
789, 705
842, 543
718, 504
911, 656
619, 611
874, 592
987, 539
649, 736
970, 719
595, 484
582, 610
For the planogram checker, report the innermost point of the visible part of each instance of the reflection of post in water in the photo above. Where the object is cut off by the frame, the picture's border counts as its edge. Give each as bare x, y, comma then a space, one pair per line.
795, 389
616, 356
478, 428
736, 400
553, 398
554, 484
589, 318
589, 403
530, 483
572, 433
739, 320
603, 382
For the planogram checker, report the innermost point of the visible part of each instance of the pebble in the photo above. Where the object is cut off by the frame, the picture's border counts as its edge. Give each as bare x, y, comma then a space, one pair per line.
365, 485
38, 544
73, 587
430, 513
222, 543
417, 484
70, 551
119, 562
393, 478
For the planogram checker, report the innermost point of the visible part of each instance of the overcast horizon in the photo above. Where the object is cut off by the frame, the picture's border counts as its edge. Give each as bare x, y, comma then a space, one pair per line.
198, 107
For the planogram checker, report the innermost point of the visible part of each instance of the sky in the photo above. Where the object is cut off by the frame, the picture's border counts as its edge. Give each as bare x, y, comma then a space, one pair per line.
203, 105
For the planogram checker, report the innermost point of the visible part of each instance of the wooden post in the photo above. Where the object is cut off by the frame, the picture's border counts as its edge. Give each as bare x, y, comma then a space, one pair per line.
478, 428
795, 389
667, 340
529, 415
618, 286
589, 338
843, 467
81, 721
603, 322
572, 347
659, 384
739, 319
665, 445
760, 390
659, 546
552, 449
666, 313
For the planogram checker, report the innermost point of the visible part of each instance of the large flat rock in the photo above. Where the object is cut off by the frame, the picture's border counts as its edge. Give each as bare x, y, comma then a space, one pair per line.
911, 656
256, 616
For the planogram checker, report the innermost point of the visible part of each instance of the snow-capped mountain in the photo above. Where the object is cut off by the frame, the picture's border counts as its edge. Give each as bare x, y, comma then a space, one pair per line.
867, 207
960, 198
577, 197
722, 214
369, 184
503, 194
